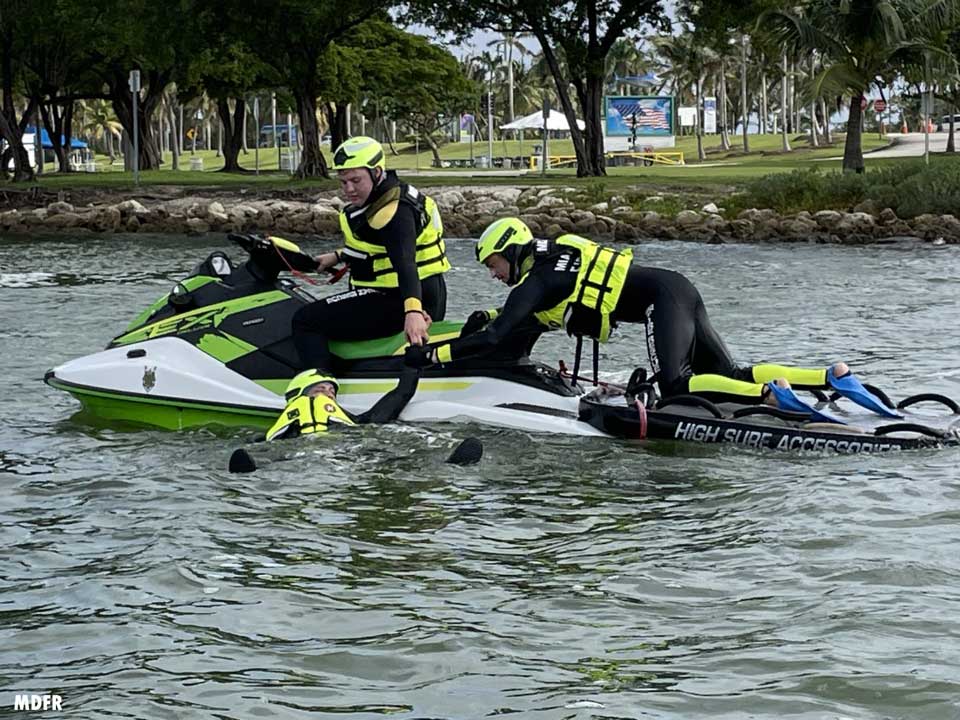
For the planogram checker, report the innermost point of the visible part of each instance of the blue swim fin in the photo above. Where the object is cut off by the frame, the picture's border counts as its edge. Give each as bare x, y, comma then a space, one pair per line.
852, 389
787, 400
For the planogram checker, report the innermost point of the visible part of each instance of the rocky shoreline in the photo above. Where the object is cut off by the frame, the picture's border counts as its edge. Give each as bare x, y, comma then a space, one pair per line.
466, 210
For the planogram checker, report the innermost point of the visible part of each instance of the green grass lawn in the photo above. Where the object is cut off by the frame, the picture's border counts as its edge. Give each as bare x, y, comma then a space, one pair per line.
720, 167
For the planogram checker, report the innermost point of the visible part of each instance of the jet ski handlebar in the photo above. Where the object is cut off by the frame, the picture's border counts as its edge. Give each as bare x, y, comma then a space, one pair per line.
269, 256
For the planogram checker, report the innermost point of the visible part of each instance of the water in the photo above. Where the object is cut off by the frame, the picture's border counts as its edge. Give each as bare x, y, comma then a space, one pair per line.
358, 575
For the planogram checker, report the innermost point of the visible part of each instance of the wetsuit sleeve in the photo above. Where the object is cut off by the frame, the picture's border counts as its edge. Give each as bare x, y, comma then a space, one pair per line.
388, 408
402, 249
537, 292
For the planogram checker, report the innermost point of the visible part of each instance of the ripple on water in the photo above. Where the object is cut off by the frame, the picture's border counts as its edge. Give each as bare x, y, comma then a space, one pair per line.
561, 578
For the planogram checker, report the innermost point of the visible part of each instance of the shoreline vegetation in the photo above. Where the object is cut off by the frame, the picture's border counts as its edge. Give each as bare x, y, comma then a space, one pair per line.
786, 198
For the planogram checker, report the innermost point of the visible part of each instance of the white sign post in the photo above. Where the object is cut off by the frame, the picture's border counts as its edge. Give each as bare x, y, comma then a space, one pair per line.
134, 82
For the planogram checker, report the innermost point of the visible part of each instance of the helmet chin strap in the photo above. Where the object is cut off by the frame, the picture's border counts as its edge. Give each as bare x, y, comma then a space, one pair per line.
520, 258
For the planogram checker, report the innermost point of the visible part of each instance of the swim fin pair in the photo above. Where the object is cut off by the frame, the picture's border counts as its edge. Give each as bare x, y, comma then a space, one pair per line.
852, 389
787, 400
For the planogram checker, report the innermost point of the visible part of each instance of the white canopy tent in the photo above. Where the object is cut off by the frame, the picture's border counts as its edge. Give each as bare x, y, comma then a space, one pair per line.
555, 121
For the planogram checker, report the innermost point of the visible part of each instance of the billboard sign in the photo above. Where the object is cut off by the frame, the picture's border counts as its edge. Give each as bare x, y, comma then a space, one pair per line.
637, 116
466, 127
709, 115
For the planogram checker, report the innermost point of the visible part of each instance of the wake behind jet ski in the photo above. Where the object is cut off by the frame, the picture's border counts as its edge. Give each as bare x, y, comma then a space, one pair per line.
217, 349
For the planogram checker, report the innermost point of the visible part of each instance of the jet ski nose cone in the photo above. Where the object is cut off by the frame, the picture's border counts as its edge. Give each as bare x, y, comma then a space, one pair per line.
468, 452
241, 462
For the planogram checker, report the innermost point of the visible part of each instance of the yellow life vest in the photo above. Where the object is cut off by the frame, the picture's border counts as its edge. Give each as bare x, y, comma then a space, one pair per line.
603, 272
306, 415
366, 250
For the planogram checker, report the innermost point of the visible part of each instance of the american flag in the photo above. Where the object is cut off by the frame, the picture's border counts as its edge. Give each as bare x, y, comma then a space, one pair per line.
651, 116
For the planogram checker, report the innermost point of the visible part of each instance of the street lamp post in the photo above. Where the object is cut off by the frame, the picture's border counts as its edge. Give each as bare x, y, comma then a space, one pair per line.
134, 82
256, 146
490, 123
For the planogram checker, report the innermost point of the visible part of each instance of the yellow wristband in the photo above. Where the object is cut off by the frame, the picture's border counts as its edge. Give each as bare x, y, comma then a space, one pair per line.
412, 304
443, 353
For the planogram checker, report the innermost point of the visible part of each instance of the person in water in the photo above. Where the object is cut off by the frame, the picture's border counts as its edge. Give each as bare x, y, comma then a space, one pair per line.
576, 284
396, 255
312, 407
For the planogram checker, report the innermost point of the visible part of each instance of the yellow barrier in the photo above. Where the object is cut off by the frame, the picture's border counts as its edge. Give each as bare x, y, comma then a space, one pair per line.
647, 158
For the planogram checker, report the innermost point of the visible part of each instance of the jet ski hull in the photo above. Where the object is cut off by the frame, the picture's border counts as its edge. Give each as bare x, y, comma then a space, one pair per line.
169, 383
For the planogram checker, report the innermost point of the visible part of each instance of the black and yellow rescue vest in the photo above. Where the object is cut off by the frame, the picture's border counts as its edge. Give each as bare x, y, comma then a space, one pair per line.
306, 415
366, 251
603, 272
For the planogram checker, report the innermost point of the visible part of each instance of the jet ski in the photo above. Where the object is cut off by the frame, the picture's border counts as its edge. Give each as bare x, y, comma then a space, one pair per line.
638, 413
217, 349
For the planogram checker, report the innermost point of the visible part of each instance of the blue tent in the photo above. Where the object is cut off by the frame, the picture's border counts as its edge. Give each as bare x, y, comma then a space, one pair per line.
45, 139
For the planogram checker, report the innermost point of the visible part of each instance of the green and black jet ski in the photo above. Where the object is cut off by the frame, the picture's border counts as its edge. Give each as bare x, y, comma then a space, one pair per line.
217, 349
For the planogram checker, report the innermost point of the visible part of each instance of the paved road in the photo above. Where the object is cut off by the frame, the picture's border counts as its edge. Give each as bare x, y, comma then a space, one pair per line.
911, 145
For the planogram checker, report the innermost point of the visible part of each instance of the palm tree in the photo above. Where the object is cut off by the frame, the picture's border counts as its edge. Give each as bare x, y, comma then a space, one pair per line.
100, 124
512, 43
690, 61
862, 42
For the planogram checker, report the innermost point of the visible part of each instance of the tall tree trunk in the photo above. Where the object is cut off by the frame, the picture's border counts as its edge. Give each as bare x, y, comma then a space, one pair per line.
243, 134
764, 107
724, 132
53, 121
827, 135
337, 121
12, 129
785, 141
174, 138
813, 124
312, 163
13, 134
231, 133
950, 145
392, 137
852, 147
149, 153
795, 93
585, 142
434, 148
813, 103
109, 138
743, 92
701, 155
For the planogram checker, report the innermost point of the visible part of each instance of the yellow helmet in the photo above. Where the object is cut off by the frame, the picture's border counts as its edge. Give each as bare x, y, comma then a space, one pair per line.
501, 234
302, 384
359, 152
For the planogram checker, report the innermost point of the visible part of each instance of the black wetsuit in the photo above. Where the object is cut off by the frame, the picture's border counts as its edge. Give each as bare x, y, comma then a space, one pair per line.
362, 313
681, 342
388, 408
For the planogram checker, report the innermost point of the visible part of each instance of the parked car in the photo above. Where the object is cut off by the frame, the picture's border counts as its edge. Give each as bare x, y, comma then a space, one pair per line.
944, 124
